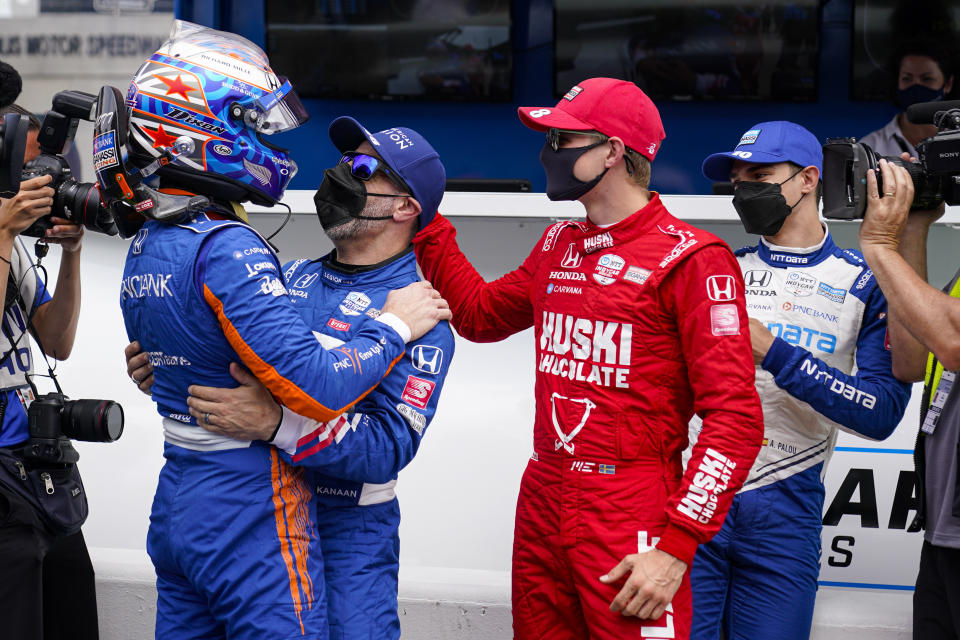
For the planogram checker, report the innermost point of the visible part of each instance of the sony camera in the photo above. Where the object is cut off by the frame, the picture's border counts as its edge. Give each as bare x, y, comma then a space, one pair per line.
936, 175
53, 420
119, 202
76, 201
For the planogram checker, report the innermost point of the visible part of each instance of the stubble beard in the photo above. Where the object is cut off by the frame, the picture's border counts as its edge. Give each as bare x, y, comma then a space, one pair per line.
360, 227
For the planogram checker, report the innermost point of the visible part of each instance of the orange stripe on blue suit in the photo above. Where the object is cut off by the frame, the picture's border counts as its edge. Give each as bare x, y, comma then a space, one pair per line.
232, 534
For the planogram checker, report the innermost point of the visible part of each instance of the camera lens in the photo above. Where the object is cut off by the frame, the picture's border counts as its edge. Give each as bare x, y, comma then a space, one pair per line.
846, 164
92, 420
80, 203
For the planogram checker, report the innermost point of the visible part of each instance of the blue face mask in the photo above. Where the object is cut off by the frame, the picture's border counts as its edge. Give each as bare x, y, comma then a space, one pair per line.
917, 93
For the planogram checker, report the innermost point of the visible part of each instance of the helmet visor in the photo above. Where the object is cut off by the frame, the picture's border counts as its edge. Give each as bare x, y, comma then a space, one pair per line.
280, 110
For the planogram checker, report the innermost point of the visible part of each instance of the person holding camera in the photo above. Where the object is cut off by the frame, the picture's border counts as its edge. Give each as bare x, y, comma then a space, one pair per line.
818, 328
11, 84
48, 589
923, 71
925, 334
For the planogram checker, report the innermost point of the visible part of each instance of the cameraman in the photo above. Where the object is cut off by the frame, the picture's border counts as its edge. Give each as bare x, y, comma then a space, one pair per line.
47, 580
925, 335
922, 71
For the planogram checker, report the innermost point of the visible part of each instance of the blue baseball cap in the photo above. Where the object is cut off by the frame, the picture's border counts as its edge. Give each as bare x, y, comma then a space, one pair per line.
768, 143
406, 152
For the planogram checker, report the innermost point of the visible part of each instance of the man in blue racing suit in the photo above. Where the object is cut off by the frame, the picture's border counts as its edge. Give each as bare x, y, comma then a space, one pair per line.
816, 317
358, 514
232, 533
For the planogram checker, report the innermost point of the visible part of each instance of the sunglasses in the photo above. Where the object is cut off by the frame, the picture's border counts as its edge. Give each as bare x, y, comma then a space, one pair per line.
553, 137
364, 167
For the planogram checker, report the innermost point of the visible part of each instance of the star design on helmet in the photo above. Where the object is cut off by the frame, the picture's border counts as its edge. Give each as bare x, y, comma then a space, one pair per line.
160, 137
177, 86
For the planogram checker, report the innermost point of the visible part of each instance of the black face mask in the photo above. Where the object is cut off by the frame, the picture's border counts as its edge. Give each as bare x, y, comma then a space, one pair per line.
341, 198
762, 207
558, 165
918, 93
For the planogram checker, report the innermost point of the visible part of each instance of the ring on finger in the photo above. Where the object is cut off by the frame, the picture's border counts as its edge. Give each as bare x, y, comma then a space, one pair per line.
890, 193
206, 417
135, 381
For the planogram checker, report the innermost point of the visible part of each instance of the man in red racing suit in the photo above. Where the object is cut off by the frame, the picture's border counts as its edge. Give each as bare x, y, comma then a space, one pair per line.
638, 324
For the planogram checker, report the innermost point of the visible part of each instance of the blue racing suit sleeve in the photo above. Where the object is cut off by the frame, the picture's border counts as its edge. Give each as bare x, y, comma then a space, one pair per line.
261, 324
381, 435
870, 402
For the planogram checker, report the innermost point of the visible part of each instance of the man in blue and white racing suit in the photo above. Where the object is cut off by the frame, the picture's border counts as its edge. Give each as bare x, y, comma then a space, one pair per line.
818, 327
232, 534
362, 209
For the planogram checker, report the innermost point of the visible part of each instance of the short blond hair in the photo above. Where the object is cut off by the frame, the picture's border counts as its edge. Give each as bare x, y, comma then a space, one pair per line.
638, 167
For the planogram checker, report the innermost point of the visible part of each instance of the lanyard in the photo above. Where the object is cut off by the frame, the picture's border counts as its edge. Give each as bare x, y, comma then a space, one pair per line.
939, 381
938, 399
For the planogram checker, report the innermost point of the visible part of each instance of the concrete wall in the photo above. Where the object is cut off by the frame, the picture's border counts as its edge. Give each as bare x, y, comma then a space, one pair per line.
464, 605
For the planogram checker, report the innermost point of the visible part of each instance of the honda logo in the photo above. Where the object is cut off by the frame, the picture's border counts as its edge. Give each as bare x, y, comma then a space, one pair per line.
139, 240
305, 281
426, 358
721, 288
757, 278
572, 258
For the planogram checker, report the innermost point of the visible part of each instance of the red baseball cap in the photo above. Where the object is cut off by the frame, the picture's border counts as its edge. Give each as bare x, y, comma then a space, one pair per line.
612, 107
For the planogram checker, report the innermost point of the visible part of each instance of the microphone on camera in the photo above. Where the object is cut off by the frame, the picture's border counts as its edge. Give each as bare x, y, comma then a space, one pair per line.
923, 112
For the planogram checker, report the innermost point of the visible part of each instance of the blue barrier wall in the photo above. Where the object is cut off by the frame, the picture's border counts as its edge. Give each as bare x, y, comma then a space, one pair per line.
483, 140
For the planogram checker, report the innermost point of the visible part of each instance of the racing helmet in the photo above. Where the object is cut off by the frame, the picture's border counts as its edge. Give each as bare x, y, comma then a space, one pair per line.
202, 106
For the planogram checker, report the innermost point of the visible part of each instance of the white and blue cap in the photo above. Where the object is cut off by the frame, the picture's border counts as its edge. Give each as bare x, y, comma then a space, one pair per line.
768, 143
406, 152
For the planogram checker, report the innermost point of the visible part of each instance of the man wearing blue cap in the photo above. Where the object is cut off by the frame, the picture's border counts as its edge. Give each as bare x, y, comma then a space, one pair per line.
385, 187
816, 315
